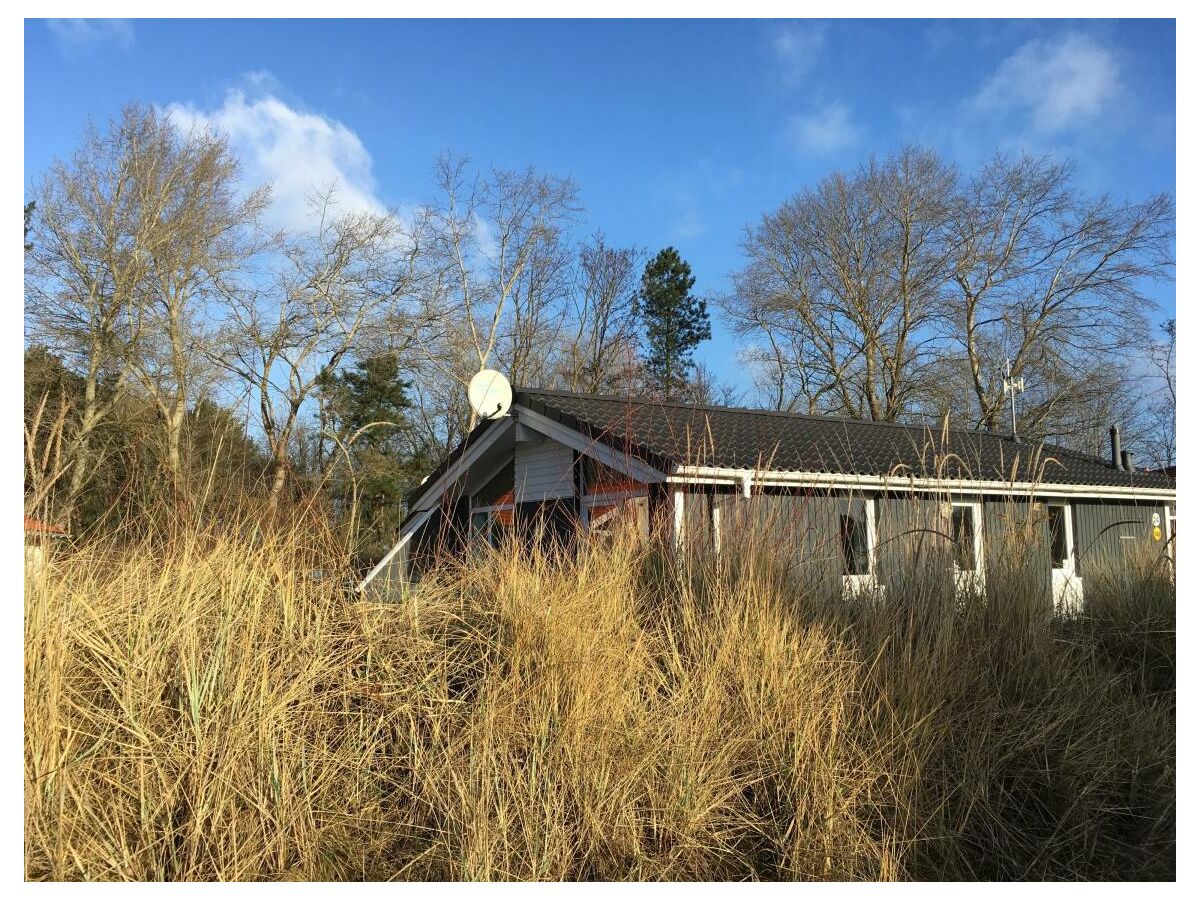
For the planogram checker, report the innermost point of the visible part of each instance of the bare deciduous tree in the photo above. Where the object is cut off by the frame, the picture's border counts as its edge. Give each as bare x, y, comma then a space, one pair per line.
840, 295
600, 349
531, 330
494, 242
129, 237
901, 290
203, 234
334, 288
1052, 281
1157, 428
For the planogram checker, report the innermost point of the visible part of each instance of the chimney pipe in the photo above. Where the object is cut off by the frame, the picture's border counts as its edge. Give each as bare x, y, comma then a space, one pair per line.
1114, 438
1126, 461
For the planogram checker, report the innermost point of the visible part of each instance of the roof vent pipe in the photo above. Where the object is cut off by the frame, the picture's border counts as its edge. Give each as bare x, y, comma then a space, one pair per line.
1114, 437
1126, 461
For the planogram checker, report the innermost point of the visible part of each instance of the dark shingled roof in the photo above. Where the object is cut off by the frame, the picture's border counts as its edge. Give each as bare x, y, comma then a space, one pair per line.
662, 433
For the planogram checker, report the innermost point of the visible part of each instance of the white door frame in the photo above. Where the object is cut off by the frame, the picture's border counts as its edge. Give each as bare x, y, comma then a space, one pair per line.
852, 584
966, 580
1066, 584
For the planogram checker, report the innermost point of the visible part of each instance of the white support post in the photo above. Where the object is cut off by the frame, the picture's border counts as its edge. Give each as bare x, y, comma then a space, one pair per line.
678, 520
716, 525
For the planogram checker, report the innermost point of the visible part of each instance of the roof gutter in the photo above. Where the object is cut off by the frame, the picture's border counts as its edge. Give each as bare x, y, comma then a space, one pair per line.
745, 477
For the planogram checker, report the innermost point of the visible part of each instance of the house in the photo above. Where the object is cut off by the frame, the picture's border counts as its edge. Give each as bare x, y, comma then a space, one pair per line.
38, 535
857, 498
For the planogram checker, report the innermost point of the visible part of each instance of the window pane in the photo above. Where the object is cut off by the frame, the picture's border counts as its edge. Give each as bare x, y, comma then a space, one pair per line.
479, 523
1058, 536
962, 530
852, 530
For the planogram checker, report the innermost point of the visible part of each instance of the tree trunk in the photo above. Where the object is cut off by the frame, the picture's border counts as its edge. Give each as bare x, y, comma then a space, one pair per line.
278, 482
79, 476
174, 424
82, 451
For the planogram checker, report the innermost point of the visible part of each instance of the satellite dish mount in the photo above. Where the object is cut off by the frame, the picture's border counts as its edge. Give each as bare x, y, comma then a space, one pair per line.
490, 394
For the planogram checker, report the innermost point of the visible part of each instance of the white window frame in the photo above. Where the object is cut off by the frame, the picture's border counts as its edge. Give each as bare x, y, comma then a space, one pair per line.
616, 499
963, 577
854, 583
491, 511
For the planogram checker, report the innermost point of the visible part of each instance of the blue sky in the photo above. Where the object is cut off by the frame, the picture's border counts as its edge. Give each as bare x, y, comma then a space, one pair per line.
677, 132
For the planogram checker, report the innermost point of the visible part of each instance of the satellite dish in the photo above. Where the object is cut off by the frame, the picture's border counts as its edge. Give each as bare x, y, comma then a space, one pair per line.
489, 394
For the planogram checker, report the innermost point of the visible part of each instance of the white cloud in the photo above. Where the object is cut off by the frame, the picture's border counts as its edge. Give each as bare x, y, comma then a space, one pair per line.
1061, 83
796, 49
79, 34
824, 131
299, 153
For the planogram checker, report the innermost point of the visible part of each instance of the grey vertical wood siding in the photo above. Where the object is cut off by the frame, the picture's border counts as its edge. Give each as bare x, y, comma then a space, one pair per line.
1108, 531
543, 471
796, 530
910, 529
1016, 544
697, 521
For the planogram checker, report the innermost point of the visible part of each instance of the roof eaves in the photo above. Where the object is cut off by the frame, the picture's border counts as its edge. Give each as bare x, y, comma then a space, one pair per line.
1101, 472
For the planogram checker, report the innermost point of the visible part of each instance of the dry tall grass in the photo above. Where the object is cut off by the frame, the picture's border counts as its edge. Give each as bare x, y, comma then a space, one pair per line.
205, 704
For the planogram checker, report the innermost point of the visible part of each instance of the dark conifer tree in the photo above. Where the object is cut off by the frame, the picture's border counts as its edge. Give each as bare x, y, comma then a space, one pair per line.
675, 322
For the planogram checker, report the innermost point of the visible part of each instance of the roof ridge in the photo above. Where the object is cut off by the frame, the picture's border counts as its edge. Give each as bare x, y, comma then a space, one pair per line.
819, 417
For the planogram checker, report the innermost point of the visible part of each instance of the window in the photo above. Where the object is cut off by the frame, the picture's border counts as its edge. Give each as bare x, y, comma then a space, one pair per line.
1059, 552
610, 499
854, 531
479, 524
962, 532
966, 540
490, 523
633, 512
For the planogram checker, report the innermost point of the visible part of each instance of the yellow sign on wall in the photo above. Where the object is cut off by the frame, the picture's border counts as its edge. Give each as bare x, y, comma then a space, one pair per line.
1157, 533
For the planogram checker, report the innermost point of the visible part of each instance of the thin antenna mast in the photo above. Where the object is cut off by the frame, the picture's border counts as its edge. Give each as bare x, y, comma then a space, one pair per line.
1012, 386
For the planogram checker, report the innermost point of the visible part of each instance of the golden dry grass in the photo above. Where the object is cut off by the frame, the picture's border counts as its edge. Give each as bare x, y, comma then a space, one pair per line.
200, 706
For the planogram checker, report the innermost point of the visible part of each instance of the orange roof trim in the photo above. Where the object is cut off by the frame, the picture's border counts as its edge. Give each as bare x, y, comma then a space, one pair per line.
36, 526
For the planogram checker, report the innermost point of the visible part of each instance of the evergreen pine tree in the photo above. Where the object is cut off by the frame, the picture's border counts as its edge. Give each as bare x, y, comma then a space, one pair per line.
675, 322
385, 466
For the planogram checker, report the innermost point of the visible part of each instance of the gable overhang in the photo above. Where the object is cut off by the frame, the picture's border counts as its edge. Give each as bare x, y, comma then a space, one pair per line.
627, 463
470, 455
717, 475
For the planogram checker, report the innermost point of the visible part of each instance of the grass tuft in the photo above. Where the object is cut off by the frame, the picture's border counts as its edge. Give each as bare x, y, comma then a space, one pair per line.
207, 703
